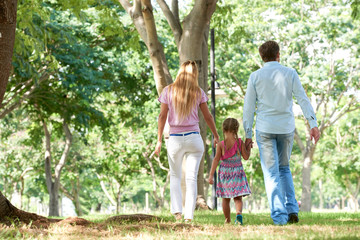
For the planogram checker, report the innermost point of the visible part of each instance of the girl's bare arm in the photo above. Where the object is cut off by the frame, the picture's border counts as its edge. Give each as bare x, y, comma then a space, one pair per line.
215, 163
244, 151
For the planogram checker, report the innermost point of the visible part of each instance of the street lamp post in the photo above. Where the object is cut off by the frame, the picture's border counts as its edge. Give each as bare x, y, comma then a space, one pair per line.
213, 78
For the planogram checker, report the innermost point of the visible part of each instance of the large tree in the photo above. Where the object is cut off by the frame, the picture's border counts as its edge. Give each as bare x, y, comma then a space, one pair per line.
319, 39
330, 73
191, 38
7, 38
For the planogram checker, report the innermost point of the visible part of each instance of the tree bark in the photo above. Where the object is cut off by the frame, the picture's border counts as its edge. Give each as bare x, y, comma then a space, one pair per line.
6, 208
107, 194
76, 191
321, 195
54, 185
306, 185
22, 183
8, 10
118, 200
308, 154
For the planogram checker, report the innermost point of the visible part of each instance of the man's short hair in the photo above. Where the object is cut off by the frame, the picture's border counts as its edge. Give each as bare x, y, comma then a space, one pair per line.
269, 50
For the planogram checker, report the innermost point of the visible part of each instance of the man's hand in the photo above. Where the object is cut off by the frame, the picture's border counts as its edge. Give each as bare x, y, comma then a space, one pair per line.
158, 148
248, 143
315, 134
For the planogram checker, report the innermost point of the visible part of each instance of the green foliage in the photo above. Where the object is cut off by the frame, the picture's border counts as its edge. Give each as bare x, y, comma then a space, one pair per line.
355, 5
100, 81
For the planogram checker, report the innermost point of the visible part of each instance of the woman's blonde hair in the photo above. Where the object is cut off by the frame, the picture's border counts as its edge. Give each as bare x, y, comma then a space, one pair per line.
230, 125
185, 90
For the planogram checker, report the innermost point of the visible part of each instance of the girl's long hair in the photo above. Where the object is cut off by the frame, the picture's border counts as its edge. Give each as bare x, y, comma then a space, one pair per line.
185, 90
231, 125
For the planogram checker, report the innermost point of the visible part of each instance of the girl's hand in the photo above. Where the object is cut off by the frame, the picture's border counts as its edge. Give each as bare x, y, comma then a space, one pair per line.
158, 148
211, 180
249, 143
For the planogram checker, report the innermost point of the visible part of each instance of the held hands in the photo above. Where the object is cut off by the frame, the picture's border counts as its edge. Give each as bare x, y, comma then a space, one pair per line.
315, 134
248, 144
158, 148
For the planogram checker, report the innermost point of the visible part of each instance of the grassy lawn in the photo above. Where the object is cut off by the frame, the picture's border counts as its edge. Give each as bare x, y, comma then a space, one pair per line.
207, 225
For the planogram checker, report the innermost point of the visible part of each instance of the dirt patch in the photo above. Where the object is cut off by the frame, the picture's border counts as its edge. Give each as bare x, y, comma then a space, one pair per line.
75, 221
162, 226
32, 220
132, 218
19, 217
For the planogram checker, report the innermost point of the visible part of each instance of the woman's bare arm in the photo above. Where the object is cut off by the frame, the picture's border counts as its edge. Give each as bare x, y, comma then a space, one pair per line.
161, 124
210, 121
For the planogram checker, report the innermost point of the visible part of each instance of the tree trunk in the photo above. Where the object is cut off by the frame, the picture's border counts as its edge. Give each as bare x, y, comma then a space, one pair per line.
194, 46
77, 198
107, 194
6, 208
306, 179
53, 186
8, 10
118, 200
192, 42
321, 195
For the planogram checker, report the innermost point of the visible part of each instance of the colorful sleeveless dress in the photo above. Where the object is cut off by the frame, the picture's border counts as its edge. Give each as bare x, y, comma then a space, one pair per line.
232, 180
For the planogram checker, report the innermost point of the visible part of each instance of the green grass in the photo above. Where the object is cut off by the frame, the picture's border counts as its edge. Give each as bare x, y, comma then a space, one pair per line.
206, 225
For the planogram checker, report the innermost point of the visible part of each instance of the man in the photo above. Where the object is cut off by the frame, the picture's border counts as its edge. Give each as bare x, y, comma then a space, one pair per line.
270, 92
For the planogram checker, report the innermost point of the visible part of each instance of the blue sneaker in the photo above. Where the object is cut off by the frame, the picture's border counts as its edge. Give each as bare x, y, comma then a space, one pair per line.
239, 220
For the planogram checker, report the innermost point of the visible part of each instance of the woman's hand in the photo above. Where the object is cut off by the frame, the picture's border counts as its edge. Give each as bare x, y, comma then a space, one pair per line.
216, 140
158, 148
211, 179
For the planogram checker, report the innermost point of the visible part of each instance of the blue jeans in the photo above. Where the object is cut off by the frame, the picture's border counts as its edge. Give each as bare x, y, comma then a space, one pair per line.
275, 151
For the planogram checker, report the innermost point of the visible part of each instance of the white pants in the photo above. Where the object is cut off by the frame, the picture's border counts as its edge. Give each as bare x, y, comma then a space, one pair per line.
192, 147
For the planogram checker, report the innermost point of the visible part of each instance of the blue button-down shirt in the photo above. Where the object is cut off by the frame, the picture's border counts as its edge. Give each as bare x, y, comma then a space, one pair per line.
270, 93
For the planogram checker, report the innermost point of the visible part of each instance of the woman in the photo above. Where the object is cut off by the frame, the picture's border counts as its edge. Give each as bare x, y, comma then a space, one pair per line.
181, 100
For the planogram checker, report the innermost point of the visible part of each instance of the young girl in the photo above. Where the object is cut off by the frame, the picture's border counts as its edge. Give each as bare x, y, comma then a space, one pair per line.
232, 179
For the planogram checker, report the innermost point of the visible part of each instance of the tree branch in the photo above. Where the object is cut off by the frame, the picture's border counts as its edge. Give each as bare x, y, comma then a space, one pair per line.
156, 51
299, 142
126, 5
67, 193
175, 9
238, 83
48, 159
65, 154
172, 20
343, 111
148, 159
160, 164
136, 16
21, 86
26, 171
103, 187
206, 5
26, 95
